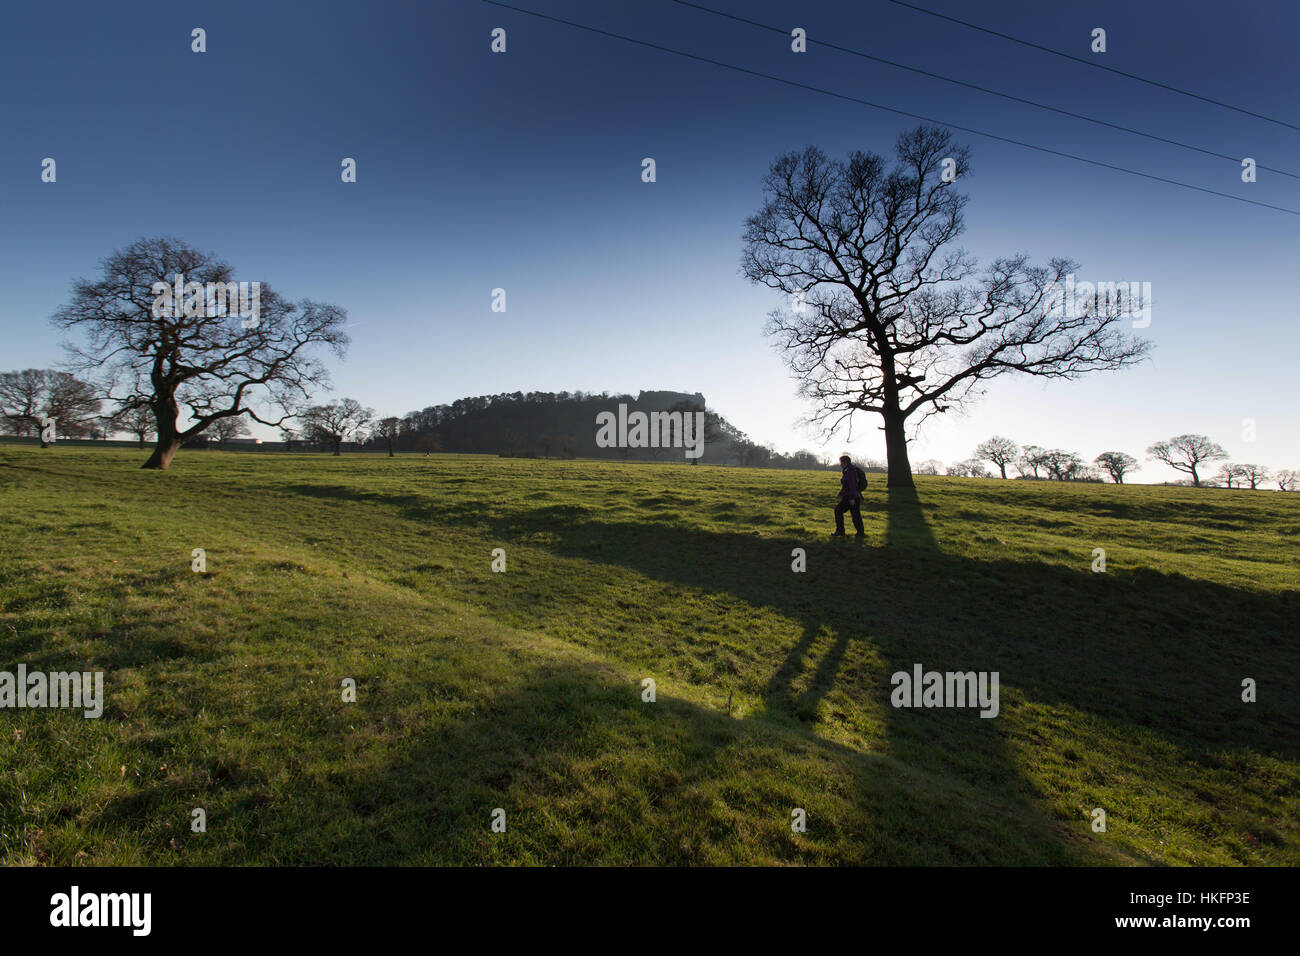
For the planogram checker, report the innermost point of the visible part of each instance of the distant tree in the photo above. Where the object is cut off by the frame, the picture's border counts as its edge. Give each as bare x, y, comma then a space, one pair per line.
173, 354
337, 422
1063, 465
545, 445
1253, 474
289, 436
1287, 480
29, 397
892, 319
958, 469
1032, 458
1184, 452
223, 429
975, 468
1000, 451
135, 419
428, 442
930, 466
804, 458
751, 454
1117, 464
22, 400
73, 404
388, 430
1228, 473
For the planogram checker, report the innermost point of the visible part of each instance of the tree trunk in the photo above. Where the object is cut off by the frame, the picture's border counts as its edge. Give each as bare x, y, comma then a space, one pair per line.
338, 446
165, 412
900, 469
1196, 480
163, 452
1003, 469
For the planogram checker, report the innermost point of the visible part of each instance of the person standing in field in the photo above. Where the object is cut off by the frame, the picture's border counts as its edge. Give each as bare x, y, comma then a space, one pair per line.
853, 481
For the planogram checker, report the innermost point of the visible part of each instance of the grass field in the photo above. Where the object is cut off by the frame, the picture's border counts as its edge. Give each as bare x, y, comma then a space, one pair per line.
522, 690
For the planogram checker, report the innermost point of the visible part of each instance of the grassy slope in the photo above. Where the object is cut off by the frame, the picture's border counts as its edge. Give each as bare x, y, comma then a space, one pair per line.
522, 690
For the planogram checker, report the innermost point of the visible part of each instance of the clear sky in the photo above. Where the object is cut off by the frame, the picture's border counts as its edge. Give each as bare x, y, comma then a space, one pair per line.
523, 171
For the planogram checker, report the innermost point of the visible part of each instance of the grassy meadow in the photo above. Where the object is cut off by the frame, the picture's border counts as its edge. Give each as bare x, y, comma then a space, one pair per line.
522, 690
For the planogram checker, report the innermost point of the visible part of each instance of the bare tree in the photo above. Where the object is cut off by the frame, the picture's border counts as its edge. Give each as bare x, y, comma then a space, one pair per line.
1254, 474
337, 422
1117, 464
1228, 473
169, 355
73, 404
22, 400
930, 466
1063, 465
30, 397
1000, 451
1184, 452
888, 321
223, 429
1032, 457
137, 419
388, 430
1286, 479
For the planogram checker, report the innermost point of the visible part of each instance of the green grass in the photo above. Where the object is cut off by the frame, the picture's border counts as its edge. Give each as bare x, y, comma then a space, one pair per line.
522, 690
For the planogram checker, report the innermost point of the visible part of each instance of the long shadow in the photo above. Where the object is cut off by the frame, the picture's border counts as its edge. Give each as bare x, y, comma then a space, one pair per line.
562, 752
1141, 651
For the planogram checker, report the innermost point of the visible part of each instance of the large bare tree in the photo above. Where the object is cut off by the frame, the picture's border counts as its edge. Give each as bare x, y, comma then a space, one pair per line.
213, 365
1184, 452
884, 316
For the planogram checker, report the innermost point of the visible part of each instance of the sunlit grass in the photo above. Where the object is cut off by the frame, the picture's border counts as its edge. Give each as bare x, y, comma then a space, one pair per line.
522, 690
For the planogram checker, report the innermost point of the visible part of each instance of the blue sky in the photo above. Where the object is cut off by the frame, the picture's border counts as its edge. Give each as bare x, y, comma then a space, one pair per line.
522, 171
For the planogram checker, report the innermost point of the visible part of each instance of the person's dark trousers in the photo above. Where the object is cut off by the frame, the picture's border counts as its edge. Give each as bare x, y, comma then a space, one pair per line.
853, 506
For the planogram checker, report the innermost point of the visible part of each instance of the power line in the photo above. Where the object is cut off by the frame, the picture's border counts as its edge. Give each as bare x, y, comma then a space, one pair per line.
983, 89
887, 109
1095, 64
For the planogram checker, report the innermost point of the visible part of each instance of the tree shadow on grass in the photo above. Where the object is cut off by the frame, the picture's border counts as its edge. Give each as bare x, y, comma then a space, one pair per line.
589, 773
1137, 651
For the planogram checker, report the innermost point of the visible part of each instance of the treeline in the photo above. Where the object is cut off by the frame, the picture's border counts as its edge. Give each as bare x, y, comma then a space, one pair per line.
517, 424
530, 425
51, 404
1188, 454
